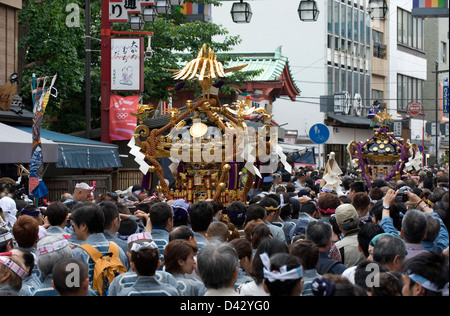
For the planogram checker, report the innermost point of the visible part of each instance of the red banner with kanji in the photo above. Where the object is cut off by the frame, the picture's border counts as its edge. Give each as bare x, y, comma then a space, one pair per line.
121, 122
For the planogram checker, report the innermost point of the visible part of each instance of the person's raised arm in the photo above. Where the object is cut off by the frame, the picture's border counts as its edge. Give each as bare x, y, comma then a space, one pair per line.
146, 219
387, 223
389, 199
415, 201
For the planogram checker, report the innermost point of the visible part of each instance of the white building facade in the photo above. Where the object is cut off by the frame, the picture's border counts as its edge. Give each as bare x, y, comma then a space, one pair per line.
334, 55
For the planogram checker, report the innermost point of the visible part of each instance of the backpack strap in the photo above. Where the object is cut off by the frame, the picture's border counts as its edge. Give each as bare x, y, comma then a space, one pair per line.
92, 251
113, 249
328, 266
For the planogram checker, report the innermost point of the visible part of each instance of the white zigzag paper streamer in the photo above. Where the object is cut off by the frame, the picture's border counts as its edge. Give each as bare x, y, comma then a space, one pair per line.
136, 151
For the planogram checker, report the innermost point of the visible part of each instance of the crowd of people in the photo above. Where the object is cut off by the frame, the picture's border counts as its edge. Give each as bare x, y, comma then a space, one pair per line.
290, 238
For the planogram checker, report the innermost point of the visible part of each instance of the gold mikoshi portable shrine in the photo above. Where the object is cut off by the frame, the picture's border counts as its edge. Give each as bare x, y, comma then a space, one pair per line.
209, 144
382, 156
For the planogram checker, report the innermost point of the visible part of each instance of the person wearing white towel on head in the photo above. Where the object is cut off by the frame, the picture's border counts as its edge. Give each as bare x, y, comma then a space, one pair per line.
8, 206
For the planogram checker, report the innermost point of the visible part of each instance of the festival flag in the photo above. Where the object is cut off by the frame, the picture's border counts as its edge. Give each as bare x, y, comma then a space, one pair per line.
36, 186
121, 123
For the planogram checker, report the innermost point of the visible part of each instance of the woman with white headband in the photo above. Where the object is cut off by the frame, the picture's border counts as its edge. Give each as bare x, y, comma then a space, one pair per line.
283, 275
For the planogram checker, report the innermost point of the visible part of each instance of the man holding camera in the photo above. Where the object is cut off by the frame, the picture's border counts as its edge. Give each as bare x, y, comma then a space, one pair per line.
414, 223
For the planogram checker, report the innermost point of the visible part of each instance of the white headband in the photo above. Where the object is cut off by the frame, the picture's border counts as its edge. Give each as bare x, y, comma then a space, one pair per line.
138, 246
5, 237
281, 275
52, 247
139, 236
84, 186
14, 267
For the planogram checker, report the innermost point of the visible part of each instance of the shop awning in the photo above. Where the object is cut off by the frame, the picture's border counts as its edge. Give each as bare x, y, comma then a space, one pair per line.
293, 148
300, 154
350, 120
76, 152
15, 146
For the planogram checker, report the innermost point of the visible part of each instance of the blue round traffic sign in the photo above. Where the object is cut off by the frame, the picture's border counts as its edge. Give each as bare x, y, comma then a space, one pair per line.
319, 133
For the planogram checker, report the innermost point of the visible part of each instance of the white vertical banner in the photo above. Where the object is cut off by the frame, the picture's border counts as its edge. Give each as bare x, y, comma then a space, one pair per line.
127, 71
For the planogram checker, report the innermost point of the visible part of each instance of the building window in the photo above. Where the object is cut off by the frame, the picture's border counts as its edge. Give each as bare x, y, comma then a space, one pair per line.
349, 83
330, 80
409, 30
343, 20
377, 95
377, 36
408, 89
361, 27
379, 49
349, 22
355, 25
336, 17
336, 80
444, 52
356, 83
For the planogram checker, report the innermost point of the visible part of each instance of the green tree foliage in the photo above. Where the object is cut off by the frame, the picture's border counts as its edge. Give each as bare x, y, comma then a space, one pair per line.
46, 47
51, 41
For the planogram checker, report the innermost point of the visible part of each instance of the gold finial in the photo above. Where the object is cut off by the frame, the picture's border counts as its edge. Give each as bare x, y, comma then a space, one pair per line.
206, 67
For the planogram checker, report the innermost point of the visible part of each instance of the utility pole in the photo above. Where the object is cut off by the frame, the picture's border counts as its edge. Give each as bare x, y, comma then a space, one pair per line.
105, 71
87, 18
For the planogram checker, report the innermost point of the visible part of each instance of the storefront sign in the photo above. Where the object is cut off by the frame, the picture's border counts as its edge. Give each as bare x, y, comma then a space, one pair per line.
120, 9
342, 102
445, 91
397, 128
357, 104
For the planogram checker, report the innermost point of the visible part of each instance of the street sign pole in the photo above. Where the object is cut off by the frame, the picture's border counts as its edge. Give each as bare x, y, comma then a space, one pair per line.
319, 134
105, 71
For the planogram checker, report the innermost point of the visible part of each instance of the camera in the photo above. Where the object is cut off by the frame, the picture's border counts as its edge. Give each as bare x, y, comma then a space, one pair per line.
148, 54
402, 197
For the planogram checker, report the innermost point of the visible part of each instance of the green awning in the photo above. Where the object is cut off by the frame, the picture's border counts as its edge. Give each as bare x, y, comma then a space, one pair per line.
76, 152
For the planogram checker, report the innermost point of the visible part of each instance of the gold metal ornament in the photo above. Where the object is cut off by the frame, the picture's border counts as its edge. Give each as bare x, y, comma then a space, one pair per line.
205, 68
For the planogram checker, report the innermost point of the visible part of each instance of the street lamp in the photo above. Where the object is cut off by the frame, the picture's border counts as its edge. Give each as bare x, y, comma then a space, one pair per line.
377, 9
149, 14
308, 11
241, 12
163, 6
136, 23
